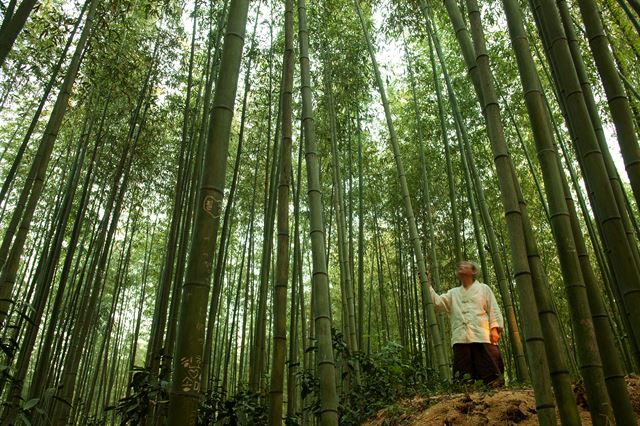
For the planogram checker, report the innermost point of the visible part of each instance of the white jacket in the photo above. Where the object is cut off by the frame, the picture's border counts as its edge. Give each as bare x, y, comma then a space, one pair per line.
473, 312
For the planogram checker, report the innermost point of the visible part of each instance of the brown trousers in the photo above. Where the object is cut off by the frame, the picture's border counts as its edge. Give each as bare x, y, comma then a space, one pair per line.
481, 361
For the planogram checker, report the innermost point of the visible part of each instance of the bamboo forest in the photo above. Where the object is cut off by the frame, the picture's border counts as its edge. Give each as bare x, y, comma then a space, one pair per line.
234, 212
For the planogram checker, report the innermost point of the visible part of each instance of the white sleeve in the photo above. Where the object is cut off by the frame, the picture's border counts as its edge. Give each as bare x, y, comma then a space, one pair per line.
441, 302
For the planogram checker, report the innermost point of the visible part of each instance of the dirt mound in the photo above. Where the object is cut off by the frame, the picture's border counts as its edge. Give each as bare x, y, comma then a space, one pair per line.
494, 407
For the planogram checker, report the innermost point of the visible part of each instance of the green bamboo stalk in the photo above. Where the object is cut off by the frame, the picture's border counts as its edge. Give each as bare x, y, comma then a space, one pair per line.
433, 253
35, 181
614, 90
635, 4
361, 307
248, 284
36, 116
468, 162
225, 233
592, 162
343, 241
45, 276
634, 22
43, 360
600, 256
13, 27
296, 296
443, 366
282, 256
191, 326
195, 159
383, 329
628, 219
158, 325
258, 353
232, 340
475, 54
612, 366
325, 365
60, 411
546, 310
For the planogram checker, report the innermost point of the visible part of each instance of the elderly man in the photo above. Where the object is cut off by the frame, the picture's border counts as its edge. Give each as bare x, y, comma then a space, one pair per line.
476, 325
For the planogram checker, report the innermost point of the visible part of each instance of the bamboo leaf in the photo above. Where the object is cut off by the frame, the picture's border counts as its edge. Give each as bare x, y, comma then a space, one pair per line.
31, 403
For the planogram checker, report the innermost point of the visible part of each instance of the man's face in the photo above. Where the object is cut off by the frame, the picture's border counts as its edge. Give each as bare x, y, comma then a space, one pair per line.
465, 269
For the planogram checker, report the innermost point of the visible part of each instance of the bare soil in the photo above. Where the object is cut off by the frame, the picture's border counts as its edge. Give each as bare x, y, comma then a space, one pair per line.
506, 406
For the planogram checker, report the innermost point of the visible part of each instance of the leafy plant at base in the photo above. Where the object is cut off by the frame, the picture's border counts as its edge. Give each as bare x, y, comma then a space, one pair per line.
309, 388
25, 407
26, 410
96, 421
385, 377
147, 392
243, 408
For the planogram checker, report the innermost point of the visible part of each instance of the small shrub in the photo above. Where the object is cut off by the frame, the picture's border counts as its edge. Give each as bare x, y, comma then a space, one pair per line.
146, 390
385, 377
243, 408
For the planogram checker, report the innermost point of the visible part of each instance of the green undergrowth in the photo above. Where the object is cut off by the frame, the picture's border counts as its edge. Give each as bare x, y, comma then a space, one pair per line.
384, 377
383, 380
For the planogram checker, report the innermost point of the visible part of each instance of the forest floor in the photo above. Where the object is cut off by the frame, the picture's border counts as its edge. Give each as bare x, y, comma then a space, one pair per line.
507, 406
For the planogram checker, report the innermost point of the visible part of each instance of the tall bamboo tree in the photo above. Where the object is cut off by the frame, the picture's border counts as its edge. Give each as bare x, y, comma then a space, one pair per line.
325, 364
468, 162
593, 166
191, 326
12, 25
614, 90
428, 306
33, 187
560, 220
282, 258
349, 320
477, 64
158, 326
